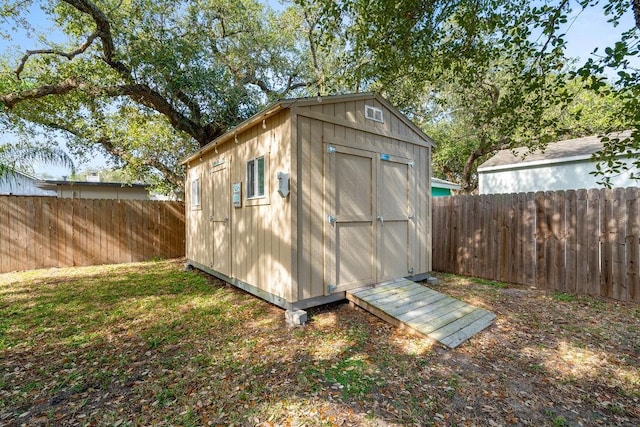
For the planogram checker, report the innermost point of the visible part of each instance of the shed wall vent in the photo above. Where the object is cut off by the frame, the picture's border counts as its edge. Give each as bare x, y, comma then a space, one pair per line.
373, 113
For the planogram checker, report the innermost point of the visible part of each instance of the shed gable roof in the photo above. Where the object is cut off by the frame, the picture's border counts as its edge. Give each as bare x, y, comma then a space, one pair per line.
556, 152
284, 104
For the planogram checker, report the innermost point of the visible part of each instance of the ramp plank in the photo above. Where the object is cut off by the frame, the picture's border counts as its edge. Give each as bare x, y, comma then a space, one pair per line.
469, 330
379, 289
410, 305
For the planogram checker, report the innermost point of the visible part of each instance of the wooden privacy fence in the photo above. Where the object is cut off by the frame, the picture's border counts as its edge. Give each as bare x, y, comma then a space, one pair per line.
583, 241
41, 232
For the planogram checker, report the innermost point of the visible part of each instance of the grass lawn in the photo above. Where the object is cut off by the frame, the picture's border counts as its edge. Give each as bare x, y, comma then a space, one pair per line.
149, 344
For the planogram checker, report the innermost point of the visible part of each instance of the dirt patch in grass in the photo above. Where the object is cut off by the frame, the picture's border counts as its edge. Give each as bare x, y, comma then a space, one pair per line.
150, 344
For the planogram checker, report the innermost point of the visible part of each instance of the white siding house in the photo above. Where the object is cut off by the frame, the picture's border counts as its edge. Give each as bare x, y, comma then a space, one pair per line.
563, 165
22, 184
95, 190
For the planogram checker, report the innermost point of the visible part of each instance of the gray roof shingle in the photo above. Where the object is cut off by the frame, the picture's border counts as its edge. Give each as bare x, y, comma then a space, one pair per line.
554, 152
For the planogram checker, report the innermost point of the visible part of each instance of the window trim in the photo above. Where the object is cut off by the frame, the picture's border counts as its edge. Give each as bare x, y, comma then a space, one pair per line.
195, 193
258, 200
253, 188
370, 113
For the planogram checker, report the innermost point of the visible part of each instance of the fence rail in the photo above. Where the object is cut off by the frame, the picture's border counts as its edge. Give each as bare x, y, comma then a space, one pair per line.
583, 241
41, 232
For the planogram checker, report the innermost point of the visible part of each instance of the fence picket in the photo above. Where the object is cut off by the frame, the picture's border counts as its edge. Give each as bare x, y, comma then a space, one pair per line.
541, 237
559, 240
5, 250
606, 225
582, 247
631, 244
594, 237
571, 241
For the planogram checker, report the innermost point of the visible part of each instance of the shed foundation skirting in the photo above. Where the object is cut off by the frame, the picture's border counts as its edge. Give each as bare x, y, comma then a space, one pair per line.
267, 296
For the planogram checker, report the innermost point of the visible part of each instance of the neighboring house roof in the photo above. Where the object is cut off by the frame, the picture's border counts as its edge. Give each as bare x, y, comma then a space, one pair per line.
441, 183
52, 184
284, 104
22, 184
557, 152
24, 174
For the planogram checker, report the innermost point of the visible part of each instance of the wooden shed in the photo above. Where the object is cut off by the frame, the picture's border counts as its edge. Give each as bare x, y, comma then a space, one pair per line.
310, 198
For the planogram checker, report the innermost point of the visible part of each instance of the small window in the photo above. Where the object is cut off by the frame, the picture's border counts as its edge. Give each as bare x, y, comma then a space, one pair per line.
195, 193
255, 178
373, 113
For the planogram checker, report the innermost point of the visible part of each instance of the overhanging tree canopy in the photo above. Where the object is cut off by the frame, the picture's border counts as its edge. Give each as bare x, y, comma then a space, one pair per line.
149, 81
493, 73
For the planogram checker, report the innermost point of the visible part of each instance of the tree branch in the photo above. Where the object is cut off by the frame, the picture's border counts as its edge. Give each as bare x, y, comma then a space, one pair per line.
103, 30
551, 24
140, 93
11, 99
467, 184
69, 55
494, 93
252, 79
312, 49
193, 107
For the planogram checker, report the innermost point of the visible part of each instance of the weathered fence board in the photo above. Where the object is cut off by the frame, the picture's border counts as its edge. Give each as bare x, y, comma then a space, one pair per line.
583, 241
42, 232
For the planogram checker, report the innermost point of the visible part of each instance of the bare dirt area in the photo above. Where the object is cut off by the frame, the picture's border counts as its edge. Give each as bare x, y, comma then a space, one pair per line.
149, 344
549, 359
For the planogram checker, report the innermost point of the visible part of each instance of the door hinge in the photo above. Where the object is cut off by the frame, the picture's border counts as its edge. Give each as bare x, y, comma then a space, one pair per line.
331, 149
331, 288
410, 271
411, 163
331, 219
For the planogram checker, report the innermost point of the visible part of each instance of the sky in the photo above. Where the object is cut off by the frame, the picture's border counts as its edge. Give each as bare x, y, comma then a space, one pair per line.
584, 32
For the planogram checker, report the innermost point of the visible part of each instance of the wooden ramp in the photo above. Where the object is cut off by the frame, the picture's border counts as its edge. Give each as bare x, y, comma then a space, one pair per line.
404, 303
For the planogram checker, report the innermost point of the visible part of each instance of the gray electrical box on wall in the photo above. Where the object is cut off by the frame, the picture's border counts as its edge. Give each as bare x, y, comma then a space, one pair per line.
237, 194
283, 184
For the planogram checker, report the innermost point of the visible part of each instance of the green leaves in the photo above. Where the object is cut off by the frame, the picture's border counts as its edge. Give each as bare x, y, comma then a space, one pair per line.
146, 82
24, 156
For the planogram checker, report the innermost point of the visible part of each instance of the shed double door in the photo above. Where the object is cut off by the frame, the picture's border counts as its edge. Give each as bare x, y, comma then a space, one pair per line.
370, 217
218, 209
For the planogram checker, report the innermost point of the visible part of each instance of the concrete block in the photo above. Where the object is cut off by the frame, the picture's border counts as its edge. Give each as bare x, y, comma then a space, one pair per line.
295, 317
432, 280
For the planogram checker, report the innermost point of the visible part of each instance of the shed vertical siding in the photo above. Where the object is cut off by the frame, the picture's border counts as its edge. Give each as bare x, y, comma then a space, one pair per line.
261, 228
310, 209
